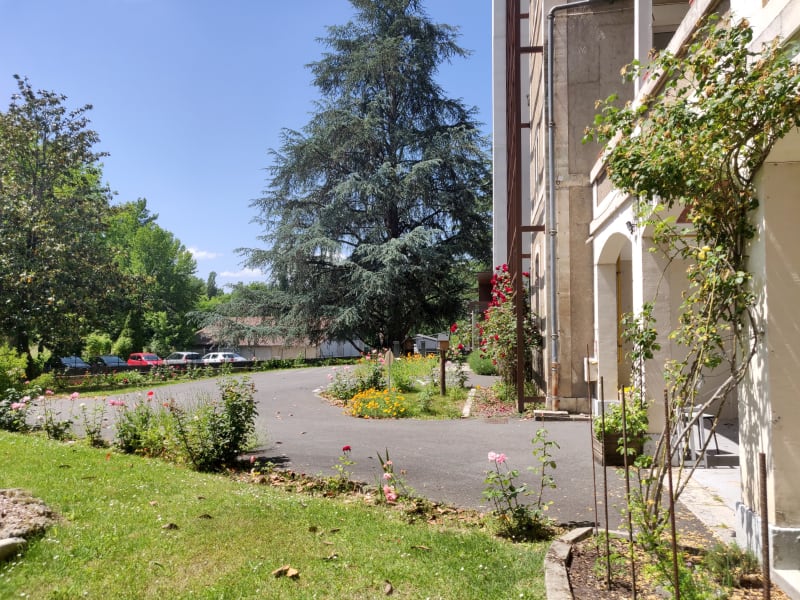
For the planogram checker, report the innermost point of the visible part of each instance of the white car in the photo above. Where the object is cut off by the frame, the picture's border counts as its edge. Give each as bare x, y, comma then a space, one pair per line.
217, 358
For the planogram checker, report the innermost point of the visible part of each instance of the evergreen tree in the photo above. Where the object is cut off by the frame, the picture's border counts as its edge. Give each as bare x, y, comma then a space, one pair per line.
211, 286
377, 207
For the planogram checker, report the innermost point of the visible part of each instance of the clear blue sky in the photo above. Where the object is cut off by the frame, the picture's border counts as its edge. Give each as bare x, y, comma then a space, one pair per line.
189, 96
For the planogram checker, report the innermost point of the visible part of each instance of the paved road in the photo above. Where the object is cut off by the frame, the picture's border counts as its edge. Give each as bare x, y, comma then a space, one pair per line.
445, 461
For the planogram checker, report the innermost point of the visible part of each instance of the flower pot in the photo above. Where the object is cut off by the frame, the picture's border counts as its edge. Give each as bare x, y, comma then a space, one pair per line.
605, 451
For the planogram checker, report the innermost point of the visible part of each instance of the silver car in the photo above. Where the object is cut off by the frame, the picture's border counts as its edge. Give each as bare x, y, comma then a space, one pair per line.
183, 359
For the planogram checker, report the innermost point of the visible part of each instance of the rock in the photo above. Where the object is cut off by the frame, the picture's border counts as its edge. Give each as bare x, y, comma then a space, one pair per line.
23, 516
10, 546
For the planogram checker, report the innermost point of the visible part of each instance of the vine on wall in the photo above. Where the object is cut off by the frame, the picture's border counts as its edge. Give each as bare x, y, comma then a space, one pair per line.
695, 149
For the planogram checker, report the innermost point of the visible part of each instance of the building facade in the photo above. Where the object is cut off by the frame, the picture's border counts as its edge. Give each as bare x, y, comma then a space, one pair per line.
593, 261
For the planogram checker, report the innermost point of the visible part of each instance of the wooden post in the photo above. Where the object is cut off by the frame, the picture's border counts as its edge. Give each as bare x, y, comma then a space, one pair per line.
444, 345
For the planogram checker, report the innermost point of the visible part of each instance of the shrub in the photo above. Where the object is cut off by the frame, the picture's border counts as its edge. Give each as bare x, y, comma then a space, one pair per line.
96, 344
12, 368
143, 429
367, 373
215, 433
209, 435
481, 364
123, 346
13, 407
45, 381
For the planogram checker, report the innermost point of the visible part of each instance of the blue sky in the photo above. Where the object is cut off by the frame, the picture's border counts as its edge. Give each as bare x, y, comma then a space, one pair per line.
189, 96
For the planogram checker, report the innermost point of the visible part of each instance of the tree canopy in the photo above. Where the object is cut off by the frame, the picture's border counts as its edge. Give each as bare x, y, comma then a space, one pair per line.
378, 206
56, 276
71, 264
161, 274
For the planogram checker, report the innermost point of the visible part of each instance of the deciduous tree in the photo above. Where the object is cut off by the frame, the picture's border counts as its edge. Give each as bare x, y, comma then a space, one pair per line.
56, 277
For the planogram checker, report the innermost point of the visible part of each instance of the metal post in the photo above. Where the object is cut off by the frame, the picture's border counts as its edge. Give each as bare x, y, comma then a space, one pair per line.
764, 508
591, 443
668, 466
628, 492
605, 479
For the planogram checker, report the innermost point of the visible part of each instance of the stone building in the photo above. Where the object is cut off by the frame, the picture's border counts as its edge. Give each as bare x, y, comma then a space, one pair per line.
590, 260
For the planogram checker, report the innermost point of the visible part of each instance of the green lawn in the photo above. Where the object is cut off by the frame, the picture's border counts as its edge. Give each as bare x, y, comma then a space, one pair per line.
231, 536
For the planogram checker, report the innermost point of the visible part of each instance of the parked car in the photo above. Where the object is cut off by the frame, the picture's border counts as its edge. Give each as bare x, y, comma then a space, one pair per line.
72, 363
144, 359
184, 359
217, 358
109, 362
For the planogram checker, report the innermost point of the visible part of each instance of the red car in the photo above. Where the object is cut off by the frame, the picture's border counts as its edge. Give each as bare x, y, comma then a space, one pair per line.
144, 359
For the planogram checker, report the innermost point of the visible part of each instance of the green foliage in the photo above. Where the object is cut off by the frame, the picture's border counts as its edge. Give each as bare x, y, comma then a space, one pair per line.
161, 274
498, 330
343, 480
347, 381
14, 406
52, 423
377, 207
208, 435
481, 364
123, 346
12, 368
91, 420
696, 148
143, 428
214, 433
96, 344
543, 454
57, 277
45, 382
519, 521
728, 562
636, 422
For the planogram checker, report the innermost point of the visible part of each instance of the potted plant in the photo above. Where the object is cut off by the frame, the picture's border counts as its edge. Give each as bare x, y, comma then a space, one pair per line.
607, 444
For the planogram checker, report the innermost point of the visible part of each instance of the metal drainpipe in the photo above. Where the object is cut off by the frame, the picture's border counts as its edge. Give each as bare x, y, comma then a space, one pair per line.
552, 309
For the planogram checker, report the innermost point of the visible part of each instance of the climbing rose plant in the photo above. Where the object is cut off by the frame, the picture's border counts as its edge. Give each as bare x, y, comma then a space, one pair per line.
498, 330
694, 150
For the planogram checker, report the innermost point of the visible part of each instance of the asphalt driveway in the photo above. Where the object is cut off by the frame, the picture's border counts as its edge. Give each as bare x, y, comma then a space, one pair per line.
444, 461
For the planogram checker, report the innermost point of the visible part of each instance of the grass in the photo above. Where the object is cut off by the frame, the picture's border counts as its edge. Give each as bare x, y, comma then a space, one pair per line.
231, 536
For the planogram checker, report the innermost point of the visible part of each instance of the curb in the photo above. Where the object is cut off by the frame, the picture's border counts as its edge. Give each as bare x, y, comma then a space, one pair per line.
465, 412
556, 579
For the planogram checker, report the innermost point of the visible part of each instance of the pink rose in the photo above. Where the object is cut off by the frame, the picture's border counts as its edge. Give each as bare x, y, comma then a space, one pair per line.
389, 493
